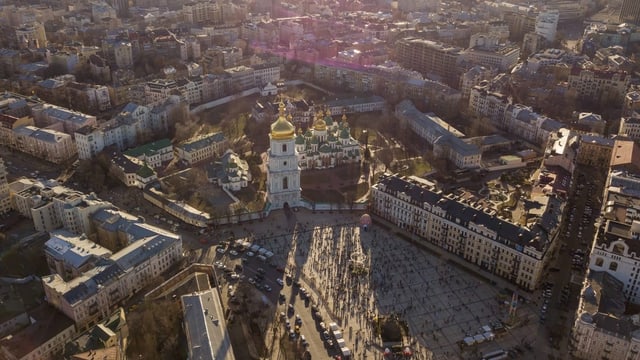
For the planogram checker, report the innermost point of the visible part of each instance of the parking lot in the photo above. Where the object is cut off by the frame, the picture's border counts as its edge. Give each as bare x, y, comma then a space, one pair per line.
441, 303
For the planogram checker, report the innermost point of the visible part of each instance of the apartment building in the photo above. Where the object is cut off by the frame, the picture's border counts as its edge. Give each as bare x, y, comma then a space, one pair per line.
113, 333
630, 126
602, 330
487, 50
5, 198
132, 123
485, 103
241, 78
468, 230
31, 36
595, 151
604, 86
52, 206
205, 327
204, 11
630, 12
201, 148
266, 73
63, 119
631, 103
43, 339
547, 24
123, 54
87, 97
190, 90
47, 144
96, 294
221, 57
444, 139
429, 58
70, 255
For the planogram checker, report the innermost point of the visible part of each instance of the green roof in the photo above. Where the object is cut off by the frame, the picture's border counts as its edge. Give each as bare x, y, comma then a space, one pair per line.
145, 172
148, 149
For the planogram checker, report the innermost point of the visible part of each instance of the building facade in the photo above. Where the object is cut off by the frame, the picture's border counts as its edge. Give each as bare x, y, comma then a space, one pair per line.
96, 293
201, 148
497, 246
283, 170
326, 144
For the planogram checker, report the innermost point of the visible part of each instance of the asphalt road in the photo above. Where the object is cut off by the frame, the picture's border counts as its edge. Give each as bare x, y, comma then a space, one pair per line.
577, 234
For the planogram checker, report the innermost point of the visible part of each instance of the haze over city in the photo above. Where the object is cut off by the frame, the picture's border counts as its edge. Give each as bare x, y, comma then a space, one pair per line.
409, 179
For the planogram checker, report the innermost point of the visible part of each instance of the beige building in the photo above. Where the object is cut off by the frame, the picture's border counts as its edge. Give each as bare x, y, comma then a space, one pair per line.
469, 230
63, 119
31, 36
201, 148
52, 206
595, 151
96, 294
47, 144
604, 86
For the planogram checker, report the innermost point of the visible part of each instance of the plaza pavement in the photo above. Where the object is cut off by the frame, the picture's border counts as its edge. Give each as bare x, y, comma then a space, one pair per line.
440, 301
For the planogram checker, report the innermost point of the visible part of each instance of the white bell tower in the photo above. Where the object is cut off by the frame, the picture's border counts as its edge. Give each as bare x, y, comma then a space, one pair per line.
283, 172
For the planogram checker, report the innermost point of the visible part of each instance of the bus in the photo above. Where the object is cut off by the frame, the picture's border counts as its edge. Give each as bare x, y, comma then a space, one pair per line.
495, 355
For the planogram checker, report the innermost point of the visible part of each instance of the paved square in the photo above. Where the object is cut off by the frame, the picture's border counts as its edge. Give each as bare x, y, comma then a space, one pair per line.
440, 302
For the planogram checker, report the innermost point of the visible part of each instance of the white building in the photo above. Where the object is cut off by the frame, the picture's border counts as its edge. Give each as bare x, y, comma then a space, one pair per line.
547, 24
283, 171
601, 329
266, 73
468, 230
231, 172
444, 138
486, 50
201, 148
96, 293
69, 255
133, 122
52, 206
630, 126
153, 154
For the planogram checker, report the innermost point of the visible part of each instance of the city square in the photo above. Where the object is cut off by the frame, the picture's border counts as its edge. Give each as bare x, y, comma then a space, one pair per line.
440, 302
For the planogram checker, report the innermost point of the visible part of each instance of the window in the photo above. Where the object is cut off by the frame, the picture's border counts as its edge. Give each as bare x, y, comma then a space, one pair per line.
613, 266
285, 163
284, 148
599, 261
285, 183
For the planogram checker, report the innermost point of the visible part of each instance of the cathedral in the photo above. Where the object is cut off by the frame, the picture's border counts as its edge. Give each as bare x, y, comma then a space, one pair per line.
326, 144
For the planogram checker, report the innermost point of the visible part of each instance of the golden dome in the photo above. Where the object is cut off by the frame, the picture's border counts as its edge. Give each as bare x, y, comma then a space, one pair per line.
319, 124
282, 129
